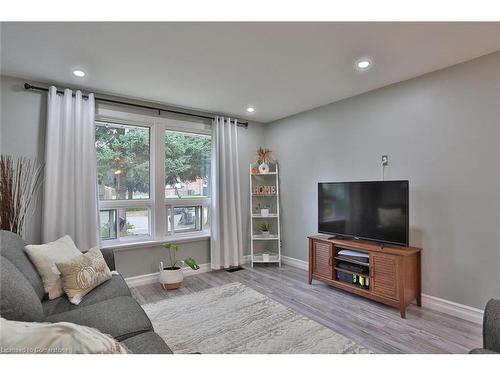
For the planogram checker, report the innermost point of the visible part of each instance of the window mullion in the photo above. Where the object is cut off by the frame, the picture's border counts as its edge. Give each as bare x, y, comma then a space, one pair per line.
170, 217
136, 203
159, 211
117, 224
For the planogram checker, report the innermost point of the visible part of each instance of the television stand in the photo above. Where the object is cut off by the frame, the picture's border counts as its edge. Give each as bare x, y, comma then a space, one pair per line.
340, 237
393, 273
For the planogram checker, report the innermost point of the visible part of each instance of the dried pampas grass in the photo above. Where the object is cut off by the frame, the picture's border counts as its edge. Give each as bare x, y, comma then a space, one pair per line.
19, 183
265, 155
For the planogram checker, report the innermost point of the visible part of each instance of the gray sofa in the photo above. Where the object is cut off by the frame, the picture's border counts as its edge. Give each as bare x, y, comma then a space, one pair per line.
491, 329
110, 307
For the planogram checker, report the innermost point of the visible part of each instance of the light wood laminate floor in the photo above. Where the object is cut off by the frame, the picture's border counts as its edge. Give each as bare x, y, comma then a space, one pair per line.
376, 326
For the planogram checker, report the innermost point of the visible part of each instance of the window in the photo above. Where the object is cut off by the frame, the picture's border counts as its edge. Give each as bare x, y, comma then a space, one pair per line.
123, 178
133, 222
153, 178
122, 161
108, 224
187, 165
187, 181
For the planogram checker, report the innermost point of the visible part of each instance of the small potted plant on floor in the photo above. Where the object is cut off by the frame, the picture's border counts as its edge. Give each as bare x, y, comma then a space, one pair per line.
171, 276
265, 229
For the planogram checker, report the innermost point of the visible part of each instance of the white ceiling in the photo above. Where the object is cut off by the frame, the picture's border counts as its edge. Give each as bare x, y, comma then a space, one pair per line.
279, 68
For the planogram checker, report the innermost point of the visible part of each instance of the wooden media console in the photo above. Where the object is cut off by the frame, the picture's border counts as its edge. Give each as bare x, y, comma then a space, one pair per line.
393, 272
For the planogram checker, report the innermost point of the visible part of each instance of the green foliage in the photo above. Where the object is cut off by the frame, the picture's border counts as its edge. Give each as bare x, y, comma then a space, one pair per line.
125, 150
187, 158
105, 231
190, 262
172, 252
128, 227
265, 227
171, 247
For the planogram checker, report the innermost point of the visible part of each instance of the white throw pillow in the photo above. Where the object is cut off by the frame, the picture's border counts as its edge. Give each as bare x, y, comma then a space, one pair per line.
55, 338
45, 257
83, 273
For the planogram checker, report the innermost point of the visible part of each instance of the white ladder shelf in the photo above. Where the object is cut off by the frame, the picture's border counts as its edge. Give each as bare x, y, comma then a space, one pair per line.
265, 249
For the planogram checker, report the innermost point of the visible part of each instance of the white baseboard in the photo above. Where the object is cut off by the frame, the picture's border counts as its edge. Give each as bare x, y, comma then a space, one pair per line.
151, 278
297, 263
455, 309
134, 281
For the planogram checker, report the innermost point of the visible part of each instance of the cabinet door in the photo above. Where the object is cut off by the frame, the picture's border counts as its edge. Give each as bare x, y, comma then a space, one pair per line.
323, 259
385, 275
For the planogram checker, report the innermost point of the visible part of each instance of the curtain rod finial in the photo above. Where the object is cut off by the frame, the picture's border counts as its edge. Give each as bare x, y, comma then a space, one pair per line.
27, 86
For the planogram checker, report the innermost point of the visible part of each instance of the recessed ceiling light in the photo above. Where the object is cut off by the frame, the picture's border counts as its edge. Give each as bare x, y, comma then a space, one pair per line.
78, 73
363, 64
250, 109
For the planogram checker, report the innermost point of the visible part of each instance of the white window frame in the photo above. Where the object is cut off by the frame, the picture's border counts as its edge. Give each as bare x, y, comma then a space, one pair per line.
132, 203
179, 202
171, 203
157, 203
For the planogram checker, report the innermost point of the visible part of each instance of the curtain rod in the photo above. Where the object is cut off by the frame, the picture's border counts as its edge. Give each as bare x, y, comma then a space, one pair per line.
28, 86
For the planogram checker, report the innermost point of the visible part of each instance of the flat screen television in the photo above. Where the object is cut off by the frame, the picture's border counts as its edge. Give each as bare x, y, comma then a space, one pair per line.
372, 210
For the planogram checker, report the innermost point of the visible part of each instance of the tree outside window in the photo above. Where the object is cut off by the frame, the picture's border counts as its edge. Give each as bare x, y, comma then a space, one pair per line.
122, 161
187, 165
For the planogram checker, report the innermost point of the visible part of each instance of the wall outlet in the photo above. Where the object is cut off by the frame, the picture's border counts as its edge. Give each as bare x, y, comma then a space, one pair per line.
385, 160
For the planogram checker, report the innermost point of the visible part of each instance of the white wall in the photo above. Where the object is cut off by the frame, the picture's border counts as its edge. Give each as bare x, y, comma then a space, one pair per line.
442, 133
145, 260
23, 116
22, 133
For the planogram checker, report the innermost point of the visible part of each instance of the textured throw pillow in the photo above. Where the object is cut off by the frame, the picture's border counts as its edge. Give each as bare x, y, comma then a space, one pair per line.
45, 257
82, 274
55, 338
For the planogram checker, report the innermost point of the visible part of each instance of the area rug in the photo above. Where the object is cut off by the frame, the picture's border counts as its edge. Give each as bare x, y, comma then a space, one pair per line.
234, 318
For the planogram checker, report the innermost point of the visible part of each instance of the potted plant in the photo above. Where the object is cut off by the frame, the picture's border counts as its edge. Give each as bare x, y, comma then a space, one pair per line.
264, 210
265, 229
171, 276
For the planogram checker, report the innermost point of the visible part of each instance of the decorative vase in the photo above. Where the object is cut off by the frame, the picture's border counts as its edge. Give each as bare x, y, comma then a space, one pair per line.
170, 277
264, 212
265, 233
265, 257
264, 168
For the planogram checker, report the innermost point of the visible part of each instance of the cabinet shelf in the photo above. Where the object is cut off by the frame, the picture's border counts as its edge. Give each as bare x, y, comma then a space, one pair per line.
258, 258
264, 174
351, 272
262, 238
347, 260
259, 216
351, 285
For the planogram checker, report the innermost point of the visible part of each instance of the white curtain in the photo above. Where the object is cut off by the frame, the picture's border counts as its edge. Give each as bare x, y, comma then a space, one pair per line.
226, 243
70, 191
